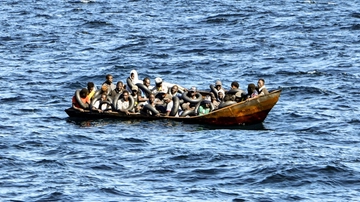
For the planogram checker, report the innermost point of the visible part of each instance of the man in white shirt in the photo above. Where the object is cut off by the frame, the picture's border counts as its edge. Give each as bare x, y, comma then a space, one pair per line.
123, 103
102, 104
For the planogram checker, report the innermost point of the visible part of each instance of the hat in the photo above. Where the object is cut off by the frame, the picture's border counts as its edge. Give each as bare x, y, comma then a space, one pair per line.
238, 94
158, 80
104, 87
206, 102
135, 88
192, 89
218, 83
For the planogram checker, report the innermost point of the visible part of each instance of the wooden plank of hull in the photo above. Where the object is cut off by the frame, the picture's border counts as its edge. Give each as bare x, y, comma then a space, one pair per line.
252, 111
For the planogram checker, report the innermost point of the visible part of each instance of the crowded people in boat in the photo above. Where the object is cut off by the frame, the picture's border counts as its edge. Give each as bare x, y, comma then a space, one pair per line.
161, 96
102, 104
83, 98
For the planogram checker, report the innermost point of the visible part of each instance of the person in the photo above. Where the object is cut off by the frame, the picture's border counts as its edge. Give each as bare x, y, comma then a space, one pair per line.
102, 105
239, 97
136, 95
261, 87
204, 108
109, 83
169, 105
124, 103
174, 91
146, 82
134, 78
151, 102
252, 92
159, 88
118, 90
218, 87
214, 100
220, 96
84, 99
230, 95
105, 89
192, 95
91, 89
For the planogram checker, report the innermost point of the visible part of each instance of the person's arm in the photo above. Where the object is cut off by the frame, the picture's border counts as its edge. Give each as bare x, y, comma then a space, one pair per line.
120, 108
77, 108
97, 103
140, 98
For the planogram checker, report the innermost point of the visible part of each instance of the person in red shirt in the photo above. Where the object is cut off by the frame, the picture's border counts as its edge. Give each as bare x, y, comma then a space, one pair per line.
83, 98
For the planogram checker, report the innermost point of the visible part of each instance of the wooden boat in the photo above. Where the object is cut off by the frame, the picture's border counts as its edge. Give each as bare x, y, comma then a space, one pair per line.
252, 111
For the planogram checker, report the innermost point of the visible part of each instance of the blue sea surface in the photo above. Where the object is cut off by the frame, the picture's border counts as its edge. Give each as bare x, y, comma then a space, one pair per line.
307, 149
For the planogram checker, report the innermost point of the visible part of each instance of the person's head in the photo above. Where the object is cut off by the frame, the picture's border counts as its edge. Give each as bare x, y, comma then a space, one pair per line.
207, 103
234, 85
104, 88
220, 95
109, 78
146, 81
83, 93
103, 97
151, 98
119, 85
158, 82
192, 91
132, 76
126, 95
90, 86
174, 89
167, 98
261, 83
251, 88
134, 90
218, 84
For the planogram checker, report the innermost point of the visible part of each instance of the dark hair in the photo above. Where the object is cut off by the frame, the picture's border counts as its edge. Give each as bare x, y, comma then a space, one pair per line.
90, 85
125, 91
262, 80
84, 92
146, 78
251, 87
119, 82
234, 83
108, 76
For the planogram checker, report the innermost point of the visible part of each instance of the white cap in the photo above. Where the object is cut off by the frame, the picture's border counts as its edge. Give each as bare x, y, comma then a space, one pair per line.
158, 80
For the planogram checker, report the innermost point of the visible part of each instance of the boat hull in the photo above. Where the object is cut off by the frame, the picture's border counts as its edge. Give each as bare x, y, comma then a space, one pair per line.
252, 111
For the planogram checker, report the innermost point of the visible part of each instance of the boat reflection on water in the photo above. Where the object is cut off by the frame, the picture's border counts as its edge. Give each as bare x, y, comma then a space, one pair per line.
81, 122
